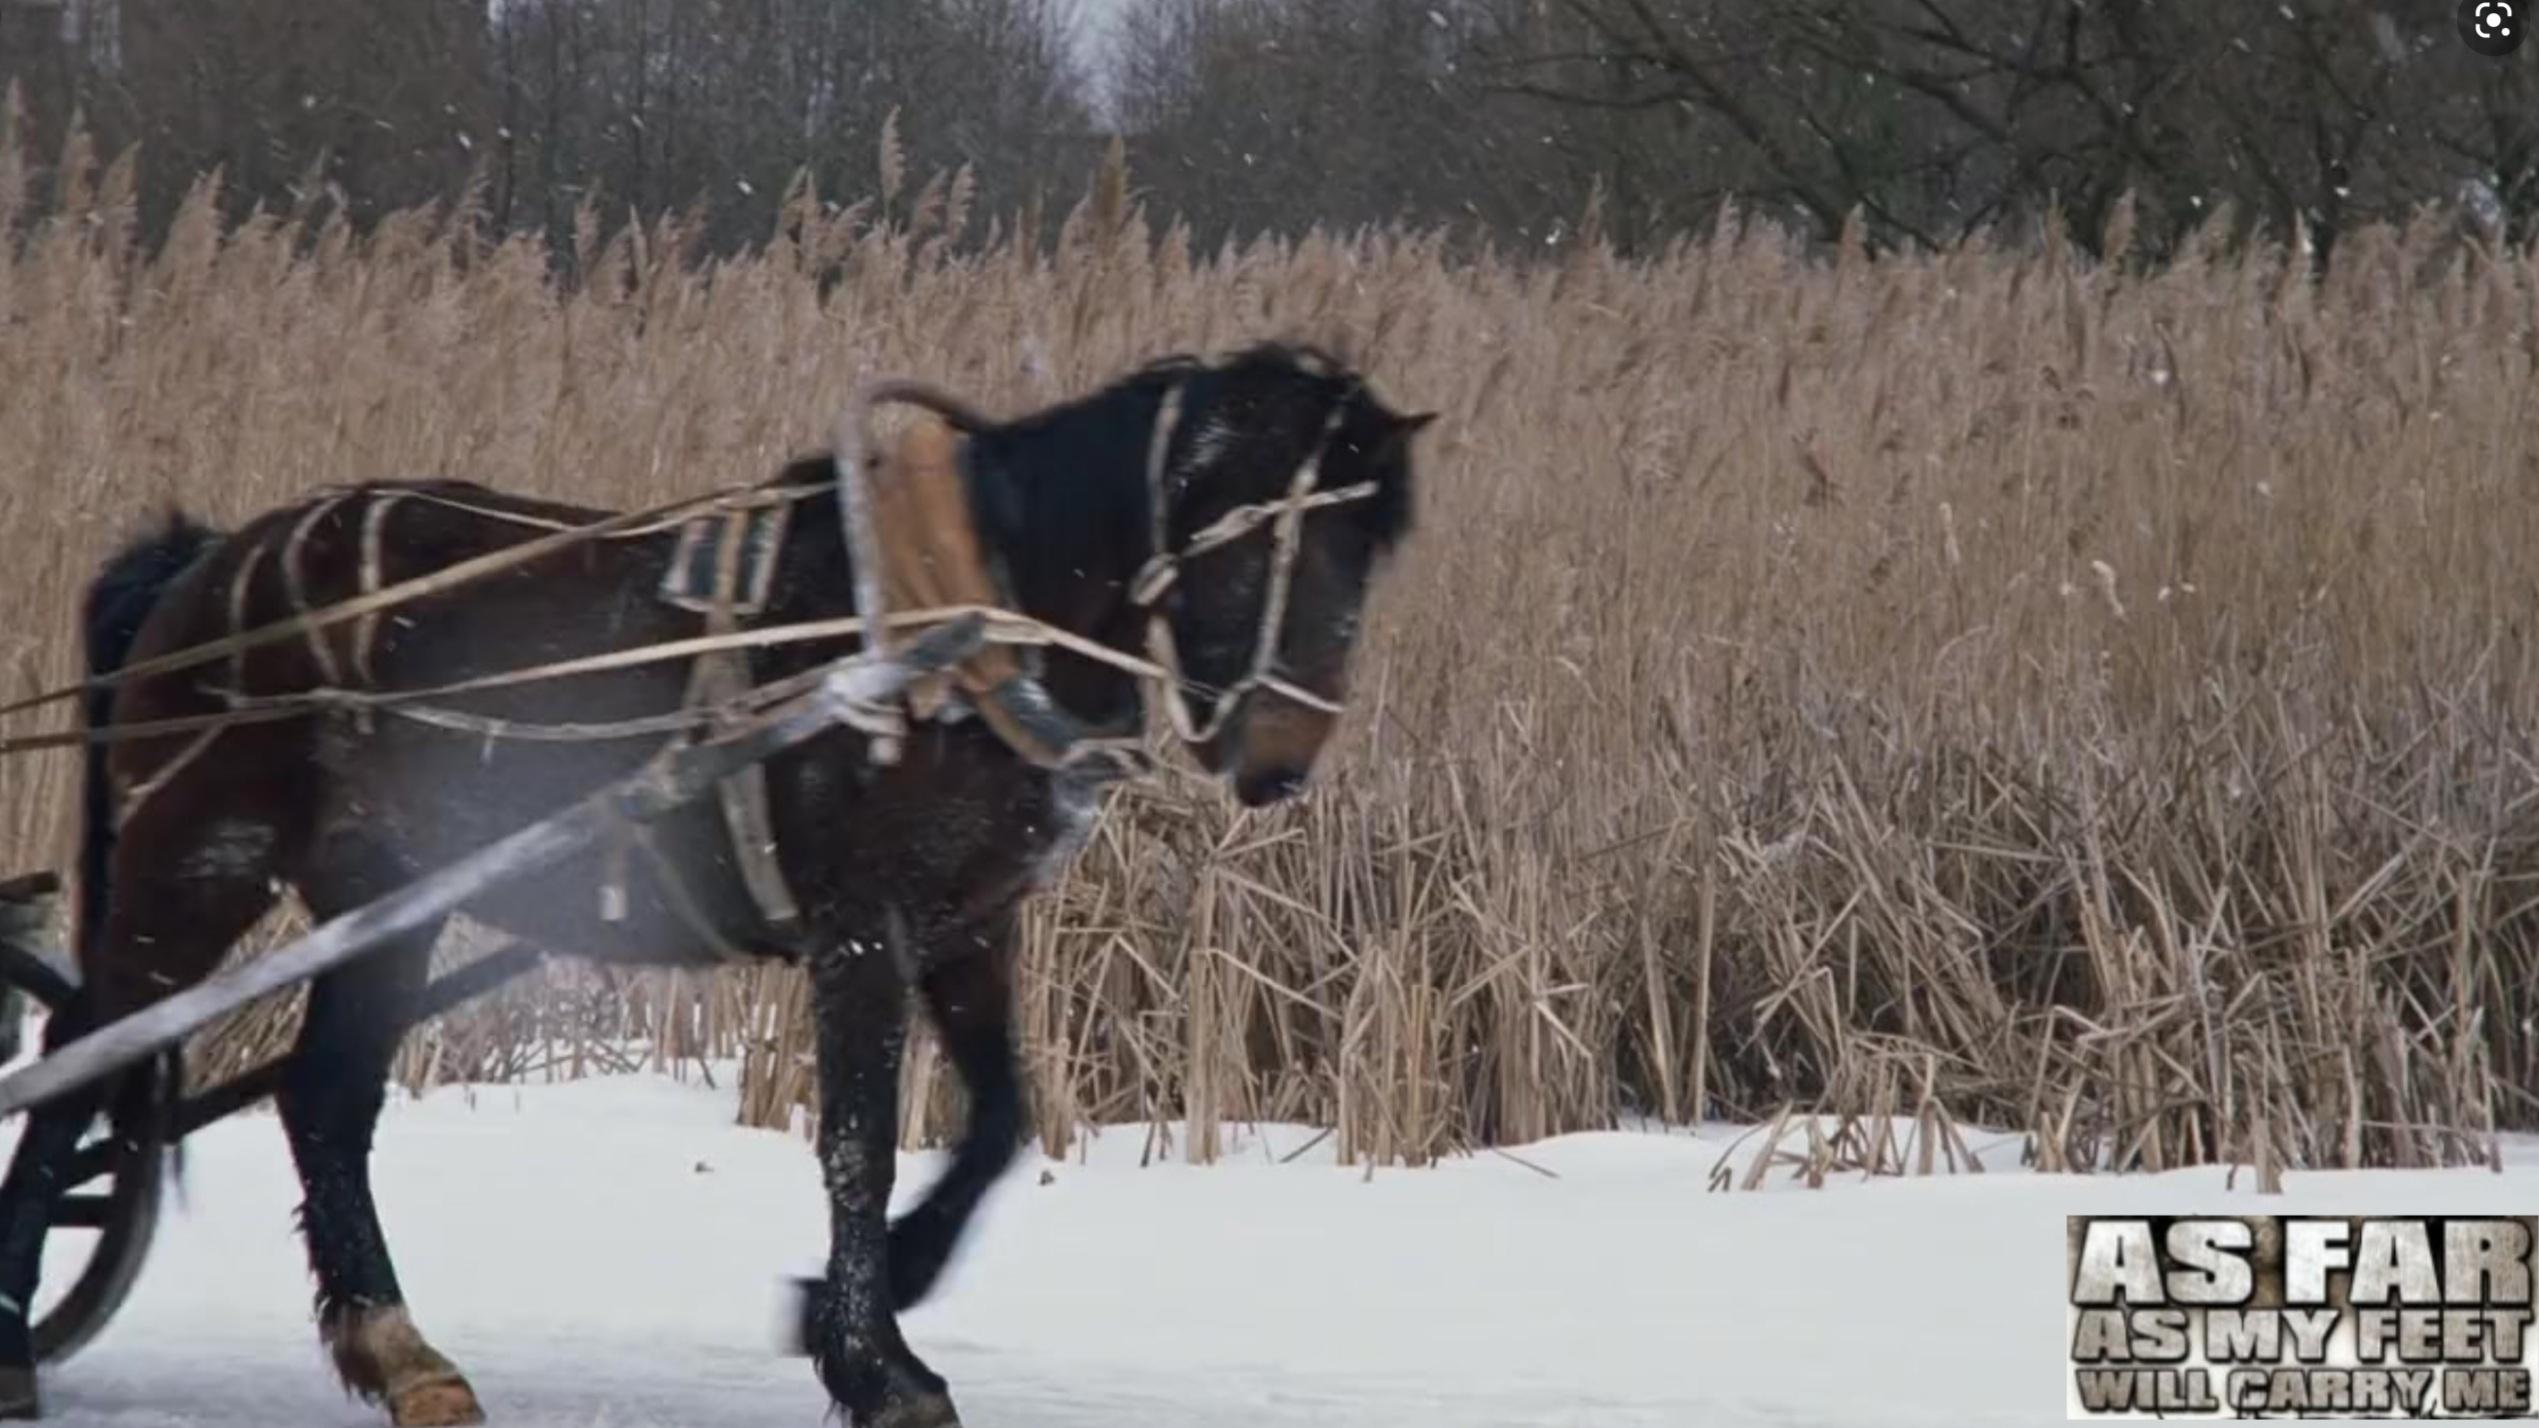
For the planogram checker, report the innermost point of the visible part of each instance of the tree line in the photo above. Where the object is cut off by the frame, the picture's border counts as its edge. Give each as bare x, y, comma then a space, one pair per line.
1912, 123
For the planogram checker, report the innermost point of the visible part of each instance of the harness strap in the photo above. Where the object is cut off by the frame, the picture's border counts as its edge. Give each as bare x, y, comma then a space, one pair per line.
863, 550
720, 678
1003, 627
750, 498
374, 567
138, 795
295, 582
239, 586
450, 577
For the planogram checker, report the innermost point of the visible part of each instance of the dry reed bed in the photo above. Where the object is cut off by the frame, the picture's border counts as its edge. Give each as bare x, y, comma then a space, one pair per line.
1979, 687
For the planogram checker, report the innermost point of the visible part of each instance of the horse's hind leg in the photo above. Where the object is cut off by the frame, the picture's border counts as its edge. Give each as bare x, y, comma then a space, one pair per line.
332, 1091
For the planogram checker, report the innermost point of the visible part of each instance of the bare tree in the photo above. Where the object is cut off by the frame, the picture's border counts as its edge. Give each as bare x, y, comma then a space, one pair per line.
1271, 115
1928, 119
390, 96
1935, 118
717, 104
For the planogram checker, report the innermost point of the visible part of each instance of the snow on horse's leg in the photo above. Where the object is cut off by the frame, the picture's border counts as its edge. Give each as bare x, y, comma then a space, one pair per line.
968, 987
851, 1326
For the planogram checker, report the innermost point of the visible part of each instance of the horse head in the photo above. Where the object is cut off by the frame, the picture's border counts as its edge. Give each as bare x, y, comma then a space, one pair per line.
1278, 485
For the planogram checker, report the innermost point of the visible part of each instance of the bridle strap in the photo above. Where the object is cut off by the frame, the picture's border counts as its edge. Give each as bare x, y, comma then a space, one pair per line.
1285, 517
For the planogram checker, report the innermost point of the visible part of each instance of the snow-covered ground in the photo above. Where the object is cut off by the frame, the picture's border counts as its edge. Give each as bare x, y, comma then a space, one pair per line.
609, 1254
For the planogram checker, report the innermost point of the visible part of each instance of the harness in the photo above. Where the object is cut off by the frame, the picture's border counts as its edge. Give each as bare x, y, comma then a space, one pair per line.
919, 562
914, 546
724, 567
910, 530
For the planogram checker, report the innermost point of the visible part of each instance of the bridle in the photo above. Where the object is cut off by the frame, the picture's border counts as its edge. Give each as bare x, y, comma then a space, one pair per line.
1285, 518
1155, 582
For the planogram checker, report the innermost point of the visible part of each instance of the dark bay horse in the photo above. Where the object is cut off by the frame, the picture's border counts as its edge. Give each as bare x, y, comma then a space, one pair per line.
904, 874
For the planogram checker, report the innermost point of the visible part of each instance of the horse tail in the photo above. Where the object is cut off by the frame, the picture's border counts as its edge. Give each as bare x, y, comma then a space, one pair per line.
121, 596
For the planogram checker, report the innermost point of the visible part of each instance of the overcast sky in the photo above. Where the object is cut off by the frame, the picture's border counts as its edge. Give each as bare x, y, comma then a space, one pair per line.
1093, 28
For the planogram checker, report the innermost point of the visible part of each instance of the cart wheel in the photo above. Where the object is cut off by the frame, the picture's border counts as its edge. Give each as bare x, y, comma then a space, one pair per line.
113, 1198
121, 1210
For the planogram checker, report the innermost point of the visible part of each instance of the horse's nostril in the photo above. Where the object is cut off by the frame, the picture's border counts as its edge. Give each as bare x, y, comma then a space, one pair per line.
1263, 789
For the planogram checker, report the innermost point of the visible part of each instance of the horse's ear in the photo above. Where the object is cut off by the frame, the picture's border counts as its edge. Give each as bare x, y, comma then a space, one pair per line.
1402, 428
1389, 514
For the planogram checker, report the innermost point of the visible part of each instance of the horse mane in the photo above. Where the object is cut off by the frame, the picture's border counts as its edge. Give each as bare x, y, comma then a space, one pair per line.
1305, 358
1073, 473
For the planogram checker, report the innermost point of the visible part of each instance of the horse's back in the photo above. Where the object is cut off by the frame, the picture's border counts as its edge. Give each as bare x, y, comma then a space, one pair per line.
389, 791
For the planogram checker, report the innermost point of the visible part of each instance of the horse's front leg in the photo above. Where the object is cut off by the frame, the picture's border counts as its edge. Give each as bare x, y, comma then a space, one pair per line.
851, 1327
969, 990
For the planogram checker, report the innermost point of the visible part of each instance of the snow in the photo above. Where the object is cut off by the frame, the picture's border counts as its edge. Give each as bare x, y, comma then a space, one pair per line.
612, 1254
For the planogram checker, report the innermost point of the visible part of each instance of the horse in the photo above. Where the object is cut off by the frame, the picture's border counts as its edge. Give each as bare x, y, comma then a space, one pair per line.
1115, 516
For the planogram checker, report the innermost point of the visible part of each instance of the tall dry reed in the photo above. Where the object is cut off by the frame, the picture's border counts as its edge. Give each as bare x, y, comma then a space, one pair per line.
1981, 687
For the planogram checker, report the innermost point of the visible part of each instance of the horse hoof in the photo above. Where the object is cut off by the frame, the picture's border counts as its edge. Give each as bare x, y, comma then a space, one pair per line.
926, 1410
445, 1403
18, 1402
